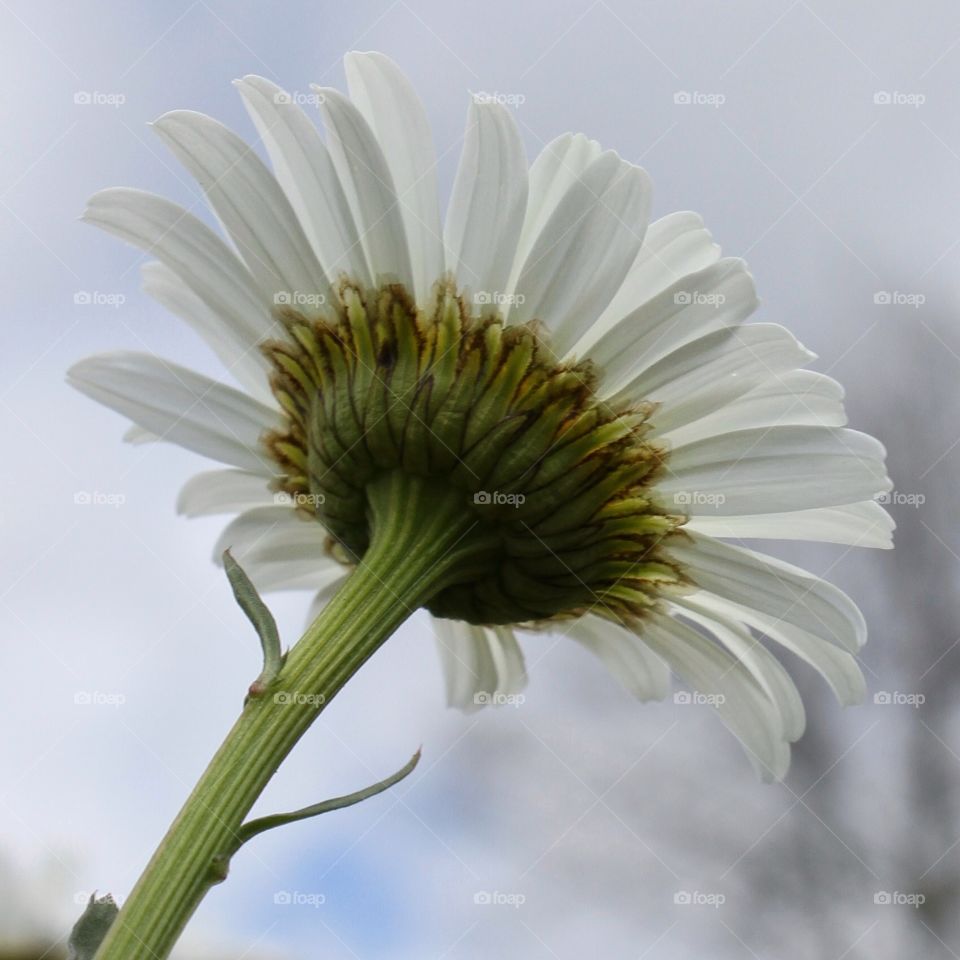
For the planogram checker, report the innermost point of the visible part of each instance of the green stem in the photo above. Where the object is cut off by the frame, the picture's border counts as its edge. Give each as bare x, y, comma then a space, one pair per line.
417, 532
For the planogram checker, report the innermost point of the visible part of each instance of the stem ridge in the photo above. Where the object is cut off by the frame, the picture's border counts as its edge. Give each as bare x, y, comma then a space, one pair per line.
416, 525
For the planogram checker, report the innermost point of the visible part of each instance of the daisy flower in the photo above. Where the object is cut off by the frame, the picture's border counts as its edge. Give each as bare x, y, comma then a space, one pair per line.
572, 390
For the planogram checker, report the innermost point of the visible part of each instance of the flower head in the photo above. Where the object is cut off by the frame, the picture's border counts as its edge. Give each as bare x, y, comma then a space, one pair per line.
581, 384
560, 485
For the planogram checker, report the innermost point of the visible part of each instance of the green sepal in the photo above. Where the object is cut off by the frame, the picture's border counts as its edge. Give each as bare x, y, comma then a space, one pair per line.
403, 376
449, 421
416, 456
480, 459
88, 932
262, 620
494, 401
579, 506
445, 354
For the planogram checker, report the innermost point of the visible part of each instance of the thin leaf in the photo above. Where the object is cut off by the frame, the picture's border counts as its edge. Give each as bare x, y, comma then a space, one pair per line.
262, 620
249, 830
88, 932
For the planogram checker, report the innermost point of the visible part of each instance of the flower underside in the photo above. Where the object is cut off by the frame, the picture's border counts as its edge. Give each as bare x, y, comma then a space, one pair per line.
558, 484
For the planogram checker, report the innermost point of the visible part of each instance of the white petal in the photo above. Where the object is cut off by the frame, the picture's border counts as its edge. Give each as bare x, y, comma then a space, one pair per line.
390, 105
800, 397
712, 371
742, 704
624, 654
559, 165
248, 202
280, 549
508, 661
366, 180
305, 171
772, 587
718, 296
836, 666
864, 524
223, 491
191, 250
774, 471
136, 435
674, 246
180, 406
763, 666
229, 340
480, 664
488, 201
584, 251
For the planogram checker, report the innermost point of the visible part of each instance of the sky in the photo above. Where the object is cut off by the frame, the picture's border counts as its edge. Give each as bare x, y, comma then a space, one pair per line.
819, 141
